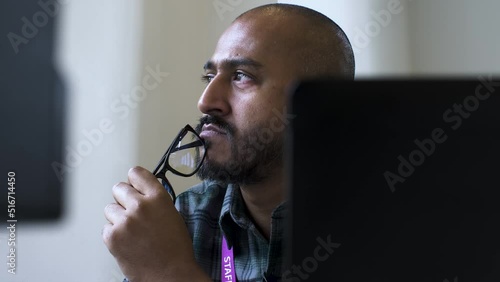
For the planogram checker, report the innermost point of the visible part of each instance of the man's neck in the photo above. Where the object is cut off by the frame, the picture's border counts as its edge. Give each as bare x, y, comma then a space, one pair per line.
261, 200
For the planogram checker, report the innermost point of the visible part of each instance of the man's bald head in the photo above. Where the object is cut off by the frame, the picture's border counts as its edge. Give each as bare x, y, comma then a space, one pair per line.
317, 43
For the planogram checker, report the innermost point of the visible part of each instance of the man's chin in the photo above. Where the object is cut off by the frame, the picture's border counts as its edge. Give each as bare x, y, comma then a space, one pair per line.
217, 154
212, 172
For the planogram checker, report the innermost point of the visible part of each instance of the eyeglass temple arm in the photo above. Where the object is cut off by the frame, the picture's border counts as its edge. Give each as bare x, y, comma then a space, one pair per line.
159, 164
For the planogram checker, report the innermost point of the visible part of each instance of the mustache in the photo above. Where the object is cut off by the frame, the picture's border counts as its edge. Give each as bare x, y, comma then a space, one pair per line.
222, 124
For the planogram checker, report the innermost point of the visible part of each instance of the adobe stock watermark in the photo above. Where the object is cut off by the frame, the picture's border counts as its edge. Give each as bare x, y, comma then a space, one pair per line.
321, 253
30, 26
454, 116
122, 107
364, 35
224, 6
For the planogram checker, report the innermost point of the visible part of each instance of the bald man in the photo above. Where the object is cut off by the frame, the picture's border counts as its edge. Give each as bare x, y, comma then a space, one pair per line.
241, 203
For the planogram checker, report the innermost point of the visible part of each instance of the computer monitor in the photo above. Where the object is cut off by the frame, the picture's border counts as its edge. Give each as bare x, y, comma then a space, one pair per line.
32, 113
394, 180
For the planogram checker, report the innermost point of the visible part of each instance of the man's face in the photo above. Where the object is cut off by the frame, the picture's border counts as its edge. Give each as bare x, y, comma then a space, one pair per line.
244, 102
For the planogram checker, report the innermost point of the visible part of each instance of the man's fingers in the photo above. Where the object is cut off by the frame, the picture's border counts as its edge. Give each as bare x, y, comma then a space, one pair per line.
144, 181
125, 194
107, 236
106, 229
114, 213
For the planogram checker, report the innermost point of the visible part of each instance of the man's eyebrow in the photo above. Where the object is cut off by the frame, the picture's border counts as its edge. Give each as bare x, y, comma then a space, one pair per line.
233, 63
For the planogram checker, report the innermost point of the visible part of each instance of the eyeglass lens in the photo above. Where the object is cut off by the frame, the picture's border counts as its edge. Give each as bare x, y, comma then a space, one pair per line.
186, 155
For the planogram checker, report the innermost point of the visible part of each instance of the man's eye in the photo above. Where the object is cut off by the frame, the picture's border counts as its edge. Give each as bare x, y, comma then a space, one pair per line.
207, 78
241, 77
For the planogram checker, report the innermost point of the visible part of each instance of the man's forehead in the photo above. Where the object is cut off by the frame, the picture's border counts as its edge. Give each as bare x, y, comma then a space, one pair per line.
244, 35
251, 39
238, 44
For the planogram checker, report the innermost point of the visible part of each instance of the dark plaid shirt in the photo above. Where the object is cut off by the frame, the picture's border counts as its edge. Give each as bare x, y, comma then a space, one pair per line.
209, 210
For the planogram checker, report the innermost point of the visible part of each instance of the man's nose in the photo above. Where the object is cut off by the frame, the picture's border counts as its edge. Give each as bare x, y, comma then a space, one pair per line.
214, 100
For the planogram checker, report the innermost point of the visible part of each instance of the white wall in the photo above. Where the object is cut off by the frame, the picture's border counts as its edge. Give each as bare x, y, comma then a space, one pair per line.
418, 38
455, 37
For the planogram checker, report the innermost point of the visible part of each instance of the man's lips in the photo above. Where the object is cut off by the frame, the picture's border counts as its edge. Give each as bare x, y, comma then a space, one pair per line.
209, 130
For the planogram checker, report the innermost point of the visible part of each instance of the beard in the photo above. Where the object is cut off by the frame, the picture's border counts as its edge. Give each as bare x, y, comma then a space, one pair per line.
254, 154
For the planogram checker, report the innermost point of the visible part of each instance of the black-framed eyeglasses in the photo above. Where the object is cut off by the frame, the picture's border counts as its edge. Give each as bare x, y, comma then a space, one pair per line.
183, 157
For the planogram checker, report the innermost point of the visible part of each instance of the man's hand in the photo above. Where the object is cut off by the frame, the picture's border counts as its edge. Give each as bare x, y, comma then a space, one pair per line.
146, 234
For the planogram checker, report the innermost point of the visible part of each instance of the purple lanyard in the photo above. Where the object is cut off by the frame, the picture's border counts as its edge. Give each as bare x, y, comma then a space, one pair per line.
227, 264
